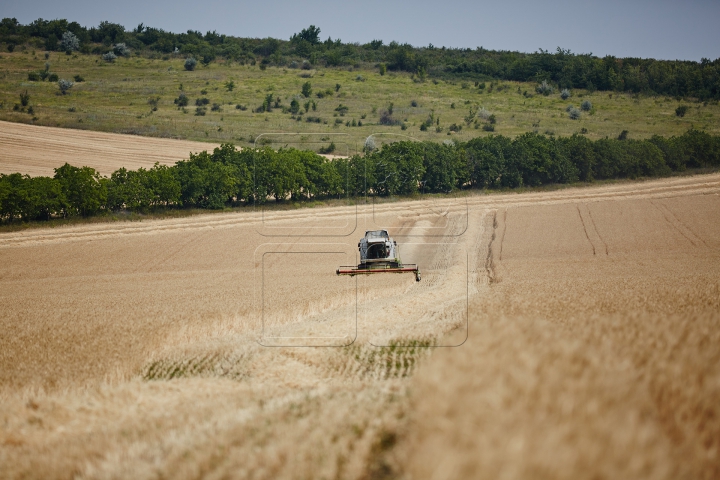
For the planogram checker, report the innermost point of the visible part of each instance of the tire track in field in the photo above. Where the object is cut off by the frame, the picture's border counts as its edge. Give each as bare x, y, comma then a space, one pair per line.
595, 229
502, 236
489, 266
591, 232
585, 229
678, 225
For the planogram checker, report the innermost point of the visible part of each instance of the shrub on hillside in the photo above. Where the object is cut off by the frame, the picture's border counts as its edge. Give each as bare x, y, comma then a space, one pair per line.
190, 64
65, 85
586, 106
681, 110
69, 42
306, 89
574, 113
544, 88
109, 57
565, 94
121, 50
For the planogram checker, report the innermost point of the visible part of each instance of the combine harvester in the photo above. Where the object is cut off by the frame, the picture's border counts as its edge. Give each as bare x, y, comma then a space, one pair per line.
379, 254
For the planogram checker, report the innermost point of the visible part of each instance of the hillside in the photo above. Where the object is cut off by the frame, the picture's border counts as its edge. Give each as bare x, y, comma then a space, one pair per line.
137, 95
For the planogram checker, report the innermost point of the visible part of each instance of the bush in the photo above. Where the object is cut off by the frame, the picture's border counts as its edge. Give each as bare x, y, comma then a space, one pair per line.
623, 135
53, 77
69, 42
483, 113
544, 88
242, 108
307, 90
200, 111
121, 50
78, 78
386, 118
488, 127
565, 94
413, 103
34, 76
586, 106
383, 69
65, 85
329, 149
182, 100
574, 113
216, 107
681, 110
109, 57
190, 64
202, 101
294, 106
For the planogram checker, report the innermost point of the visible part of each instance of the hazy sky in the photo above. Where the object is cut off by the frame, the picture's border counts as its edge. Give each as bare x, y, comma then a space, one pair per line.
688, 29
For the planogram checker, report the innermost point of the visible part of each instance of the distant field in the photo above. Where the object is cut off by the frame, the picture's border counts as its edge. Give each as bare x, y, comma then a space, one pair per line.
36, 150
135, 349
114, 98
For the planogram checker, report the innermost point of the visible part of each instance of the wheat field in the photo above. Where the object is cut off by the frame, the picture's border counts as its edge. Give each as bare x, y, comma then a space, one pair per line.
36, 150
557, 334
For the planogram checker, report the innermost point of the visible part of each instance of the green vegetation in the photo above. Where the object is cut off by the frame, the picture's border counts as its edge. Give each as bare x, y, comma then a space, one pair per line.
113, 98
112, 95
232, 177
563, 68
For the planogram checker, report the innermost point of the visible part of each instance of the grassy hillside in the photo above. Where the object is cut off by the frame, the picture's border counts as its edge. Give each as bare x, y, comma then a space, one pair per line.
118, 97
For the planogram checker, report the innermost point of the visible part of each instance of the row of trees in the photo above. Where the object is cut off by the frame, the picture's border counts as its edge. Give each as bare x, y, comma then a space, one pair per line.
564, 68
231, 177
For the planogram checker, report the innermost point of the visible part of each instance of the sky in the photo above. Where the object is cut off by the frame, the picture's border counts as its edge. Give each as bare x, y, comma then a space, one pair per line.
662, 29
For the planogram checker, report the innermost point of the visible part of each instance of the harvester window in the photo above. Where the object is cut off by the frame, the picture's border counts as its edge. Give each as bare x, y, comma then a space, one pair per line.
376, 250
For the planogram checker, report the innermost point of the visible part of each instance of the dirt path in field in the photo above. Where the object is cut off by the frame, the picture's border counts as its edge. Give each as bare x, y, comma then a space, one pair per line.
37, 150
577, 333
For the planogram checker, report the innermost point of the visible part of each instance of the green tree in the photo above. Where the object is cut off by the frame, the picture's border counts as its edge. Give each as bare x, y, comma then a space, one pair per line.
306, 89
580, 152
398, 168
83, 189
45, 198
310, 35
295, 106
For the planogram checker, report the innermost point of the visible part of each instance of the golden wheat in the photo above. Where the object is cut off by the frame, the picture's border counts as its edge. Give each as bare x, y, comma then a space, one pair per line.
589, 316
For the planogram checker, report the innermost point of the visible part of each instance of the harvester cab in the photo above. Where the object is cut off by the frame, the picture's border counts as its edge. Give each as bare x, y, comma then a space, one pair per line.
379, 253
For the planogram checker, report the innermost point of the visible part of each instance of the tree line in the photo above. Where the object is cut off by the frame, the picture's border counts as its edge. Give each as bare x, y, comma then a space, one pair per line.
565, 69
230, 177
